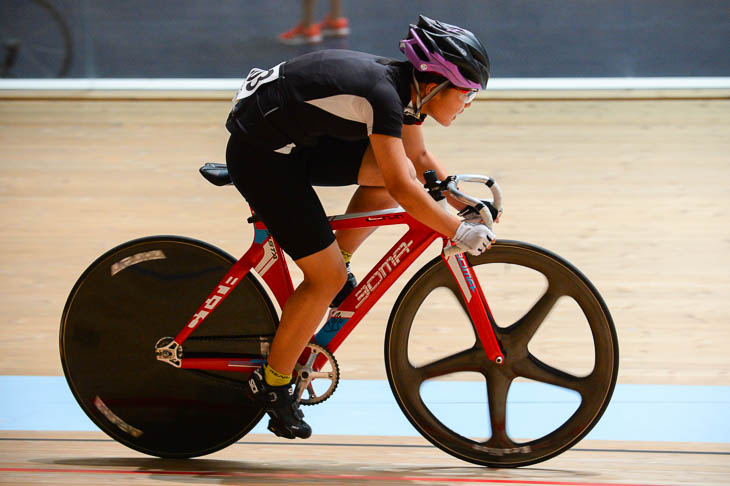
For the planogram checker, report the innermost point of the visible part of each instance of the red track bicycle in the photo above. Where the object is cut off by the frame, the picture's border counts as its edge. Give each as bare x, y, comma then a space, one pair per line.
160, 334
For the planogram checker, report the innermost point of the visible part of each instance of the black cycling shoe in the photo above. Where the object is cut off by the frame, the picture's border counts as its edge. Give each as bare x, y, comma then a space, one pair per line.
346, 289
280, 403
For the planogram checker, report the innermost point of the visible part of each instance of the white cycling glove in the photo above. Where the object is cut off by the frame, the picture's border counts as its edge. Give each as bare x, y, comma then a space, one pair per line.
473, 238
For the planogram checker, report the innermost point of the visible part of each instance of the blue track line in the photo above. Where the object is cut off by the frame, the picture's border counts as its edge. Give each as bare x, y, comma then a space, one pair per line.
367, 408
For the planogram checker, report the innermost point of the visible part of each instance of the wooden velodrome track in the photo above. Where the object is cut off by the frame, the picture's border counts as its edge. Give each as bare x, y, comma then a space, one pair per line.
632, 188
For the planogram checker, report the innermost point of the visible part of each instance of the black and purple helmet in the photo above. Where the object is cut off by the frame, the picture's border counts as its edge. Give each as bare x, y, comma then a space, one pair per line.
447, 50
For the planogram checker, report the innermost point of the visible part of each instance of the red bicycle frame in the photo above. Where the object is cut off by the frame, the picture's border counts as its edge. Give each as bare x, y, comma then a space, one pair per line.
267, 259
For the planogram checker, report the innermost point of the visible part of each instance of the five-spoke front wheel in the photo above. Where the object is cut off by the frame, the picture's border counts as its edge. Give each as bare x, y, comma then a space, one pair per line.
560, 348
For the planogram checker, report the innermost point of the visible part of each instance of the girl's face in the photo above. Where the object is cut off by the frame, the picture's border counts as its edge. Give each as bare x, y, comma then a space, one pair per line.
446, 105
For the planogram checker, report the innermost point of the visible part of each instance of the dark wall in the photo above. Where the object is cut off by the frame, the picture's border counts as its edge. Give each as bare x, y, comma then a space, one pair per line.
525, 38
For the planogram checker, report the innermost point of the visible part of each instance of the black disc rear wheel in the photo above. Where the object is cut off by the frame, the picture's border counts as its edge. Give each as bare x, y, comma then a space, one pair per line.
121, 306
560, 348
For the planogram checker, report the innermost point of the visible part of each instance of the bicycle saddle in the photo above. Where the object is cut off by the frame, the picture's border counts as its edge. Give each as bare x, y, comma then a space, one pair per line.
216, 174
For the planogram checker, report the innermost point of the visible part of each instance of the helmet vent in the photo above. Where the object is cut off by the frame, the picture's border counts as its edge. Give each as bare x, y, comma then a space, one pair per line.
419, 52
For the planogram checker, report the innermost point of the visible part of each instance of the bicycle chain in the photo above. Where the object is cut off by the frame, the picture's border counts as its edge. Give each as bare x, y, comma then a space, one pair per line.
245, 339
243, 386
235, 384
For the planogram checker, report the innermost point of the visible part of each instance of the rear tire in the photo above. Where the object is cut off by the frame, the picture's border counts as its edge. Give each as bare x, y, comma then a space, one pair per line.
121, 306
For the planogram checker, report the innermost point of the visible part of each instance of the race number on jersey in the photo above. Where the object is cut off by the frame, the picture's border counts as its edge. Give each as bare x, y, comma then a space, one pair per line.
256, 78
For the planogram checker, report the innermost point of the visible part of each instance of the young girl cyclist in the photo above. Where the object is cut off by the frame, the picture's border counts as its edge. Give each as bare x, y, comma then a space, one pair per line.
335, 118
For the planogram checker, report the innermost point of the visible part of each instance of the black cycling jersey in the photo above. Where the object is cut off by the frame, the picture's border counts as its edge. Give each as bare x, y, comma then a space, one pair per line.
336, 93
306, 122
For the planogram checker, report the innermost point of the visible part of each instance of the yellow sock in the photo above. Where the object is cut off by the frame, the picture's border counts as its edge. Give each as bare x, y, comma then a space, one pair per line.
274, 378
346, 255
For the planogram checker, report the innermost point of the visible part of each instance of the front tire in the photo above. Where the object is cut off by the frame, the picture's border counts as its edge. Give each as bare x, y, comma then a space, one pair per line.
471, 418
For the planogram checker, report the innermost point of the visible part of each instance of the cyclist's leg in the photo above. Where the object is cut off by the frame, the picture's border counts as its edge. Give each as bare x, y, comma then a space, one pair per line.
324, 275
370, 196
335, 162
270, 182
365, 198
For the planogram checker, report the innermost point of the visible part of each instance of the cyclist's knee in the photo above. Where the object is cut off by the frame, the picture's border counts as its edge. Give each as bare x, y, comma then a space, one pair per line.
327, 280
324, 270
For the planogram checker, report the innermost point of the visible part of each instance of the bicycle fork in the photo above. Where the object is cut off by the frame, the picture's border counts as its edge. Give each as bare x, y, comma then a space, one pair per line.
479, 311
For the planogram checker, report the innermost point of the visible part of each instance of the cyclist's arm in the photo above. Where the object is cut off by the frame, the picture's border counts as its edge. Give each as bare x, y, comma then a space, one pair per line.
404, 187
423, 160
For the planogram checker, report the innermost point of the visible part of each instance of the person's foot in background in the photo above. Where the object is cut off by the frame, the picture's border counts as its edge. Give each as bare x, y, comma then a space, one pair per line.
301, 34
338, 27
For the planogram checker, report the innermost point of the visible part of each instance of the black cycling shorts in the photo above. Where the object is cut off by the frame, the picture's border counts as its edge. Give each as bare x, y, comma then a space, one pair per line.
279, 187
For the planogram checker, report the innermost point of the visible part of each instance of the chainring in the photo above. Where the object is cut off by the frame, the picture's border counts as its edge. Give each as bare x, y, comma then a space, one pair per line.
306, 375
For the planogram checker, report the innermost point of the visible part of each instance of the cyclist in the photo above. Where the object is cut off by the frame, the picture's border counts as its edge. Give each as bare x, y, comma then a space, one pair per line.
336, 118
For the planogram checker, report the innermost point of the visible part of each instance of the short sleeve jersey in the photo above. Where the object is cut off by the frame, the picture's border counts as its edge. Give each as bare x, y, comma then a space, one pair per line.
336, 93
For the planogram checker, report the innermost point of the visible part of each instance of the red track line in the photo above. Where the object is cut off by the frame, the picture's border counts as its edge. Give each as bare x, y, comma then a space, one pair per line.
320, 476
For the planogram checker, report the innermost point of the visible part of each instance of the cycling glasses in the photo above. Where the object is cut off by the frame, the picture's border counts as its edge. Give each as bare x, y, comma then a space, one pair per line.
467, 95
